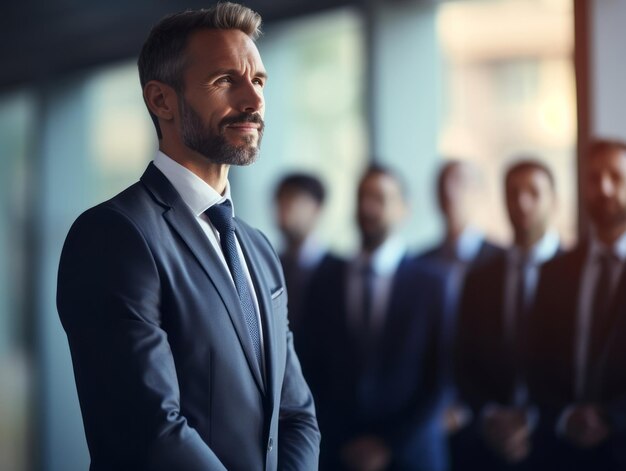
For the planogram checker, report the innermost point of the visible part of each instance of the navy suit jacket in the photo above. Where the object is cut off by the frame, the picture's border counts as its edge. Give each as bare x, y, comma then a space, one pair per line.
486, 363
437, 256
404, 388
298, 280
552, 370
485, 366
165, 370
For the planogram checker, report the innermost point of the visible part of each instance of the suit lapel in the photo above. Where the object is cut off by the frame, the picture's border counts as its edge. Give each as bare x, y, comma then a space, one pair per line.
611, 331
183, 222
395, 309
566, 320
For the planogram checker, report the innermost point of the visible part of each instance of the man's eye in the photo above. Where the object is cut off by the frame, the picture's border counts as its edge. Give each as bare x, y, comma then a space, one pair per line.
224, 80
258, 81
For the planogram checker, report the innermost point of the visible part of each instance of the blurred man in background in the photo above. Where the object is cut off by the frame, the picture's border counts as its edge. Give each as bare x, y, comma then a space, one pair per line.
577, 367
299, 199
376, 337
463, 246
492, 326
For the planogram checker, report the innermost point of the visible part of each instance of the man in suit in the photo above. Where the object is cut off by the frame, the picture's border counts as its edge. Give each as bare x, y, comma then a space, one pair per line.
375, 328
463, 246
299, 201
577, 349
493, 323
175, 310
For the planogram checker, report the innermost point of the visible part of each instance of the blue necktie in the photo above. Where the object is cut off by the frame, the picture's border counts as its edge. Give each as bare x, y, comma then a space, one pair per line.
221, 216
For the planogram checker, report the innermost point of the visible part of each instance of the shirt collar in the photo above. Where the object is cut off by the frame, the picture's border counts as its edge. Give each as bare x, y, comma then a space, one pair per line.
311, 252
195, 192
543, 250
618, 249
468, 244
386, 258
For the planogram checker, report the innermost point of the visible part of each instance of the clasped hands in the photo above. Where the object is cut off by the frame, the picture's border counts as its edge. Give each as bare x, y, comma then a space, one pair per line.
366, 453
507, 431
586, 425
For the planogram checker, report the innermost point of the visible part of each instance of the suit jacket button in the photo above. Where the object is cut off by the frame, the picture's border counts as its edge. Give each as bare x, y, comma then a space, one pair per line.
270, 444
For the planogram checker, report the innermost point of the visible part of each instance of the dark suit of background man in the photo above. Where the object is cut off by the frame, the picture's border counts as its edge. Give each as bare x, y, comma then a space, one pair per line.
492, 326
177, 326
373, 322
299, 201
577, 368
463, 246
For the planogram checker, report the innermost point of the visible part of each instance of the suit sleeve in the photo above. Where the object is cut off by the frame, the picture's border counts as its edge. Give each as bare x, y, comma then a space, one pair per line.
109, 303
299, 436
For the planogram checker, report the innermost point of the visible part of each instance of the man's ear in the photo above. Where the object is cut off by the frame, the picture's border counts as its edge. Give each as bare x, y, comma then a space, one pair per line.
161, 99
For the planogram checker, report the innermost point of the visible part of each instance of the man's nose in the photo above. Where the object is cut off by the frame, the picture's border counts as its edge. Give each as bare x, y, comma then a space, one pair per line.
249, 98
607, 187
525, 201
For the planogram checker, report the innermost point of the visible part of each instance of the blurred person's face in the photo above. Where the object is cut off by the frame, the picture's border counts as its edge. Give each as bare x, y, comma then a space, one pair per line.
458, 194
222, 105
380, 208
605, 188
530, 202
296, 214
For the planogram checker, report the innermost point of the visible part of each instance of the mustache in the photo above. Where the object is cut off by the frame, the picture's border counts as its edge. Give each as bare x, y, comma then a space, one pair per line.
243, 118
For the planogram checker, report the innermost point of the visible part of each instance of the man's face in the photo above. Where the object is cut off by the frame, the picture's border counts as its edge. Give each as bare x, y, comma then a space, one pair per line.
458, 193
605, 188
530, 201
296, 214
222, 105
380, 207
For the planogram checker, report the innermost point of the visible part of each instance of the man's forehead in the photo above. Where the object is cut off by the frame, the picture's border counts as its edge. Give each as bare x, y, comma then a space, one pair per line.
223, 47
609, 158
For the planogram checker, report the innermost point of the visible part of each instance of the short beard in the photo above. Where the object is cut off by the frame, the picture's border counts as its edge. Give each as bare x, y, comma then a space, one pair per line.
607, 219
215, 147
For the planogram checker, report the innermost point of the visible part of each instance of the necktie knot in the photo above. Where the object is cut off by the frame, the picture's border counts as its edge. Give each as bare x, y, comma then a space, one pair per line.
221, 216
606, 258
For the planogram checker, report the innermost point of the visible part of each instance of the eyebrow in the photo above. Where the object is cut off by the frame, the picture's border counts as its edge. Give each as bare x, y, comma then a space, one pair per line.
235, 72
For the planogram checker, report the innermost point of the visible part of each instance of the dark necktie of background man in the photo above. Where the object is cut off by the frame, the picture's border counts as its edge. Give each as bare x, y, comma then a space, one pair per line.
600, 315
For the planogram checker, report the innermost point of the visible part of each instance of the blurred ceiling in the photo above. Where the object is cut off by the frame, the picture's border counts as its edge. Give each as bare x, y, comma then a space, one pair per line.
40, 39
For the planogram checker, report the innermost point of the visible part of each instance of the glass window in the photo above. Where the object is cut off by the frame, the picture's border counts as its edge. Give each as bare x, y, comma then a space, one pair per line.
121, 139
509, 90
314, 119
16, 144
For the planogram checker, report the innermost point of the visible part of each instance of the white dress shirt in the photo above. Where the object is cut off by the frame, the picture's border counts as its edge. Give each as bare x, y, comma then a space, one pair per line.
542, 251
384, 262
311, 253
468, 245
200, 196
459, 257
